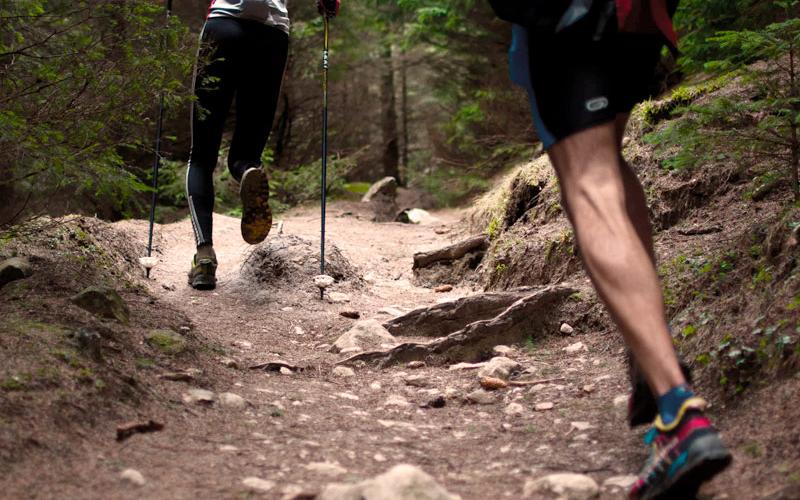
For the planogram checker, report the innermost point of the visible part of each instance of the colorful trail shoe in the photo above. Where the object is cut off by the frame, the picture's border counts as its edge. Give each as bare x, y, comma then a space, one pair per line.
686, 454
256, 213
202, 275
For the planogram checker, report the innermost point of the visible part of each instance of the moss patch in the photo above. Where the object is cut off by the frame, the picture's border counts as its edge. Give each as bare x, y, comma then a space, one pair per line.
167, 341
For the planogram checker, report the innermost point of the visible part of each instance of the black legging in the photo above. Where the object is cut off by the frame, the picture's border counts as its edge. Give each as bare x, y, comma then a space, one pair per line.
245, 59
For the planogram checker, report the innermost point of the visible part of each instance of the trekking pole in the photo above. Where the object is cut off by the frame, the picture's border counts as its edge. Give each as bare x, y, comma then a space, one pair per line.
149, 263
324, 149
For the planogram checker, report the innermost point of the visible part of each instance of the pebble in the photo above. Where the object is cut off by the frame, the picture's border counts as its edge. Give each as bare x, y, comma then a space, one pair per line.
576, 347
396, 400
418, 381
443, 288
338, 298
326, 468
243, 344
228, 448
286, 371
514, 409
343, 371
481, 397
379, 457
133, 476
589, 388
566, 329
199, 396
567, 485
258, 484
416, 364
323, 347
581, 426
231, 400
544, 406
375, 386
347, 395
350, 314
621, 401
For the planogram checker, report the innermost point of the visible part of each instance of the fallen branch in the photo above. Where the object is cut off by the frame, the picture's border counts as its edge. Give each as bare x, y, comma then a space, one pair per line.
124, 431
453, 252
523, 383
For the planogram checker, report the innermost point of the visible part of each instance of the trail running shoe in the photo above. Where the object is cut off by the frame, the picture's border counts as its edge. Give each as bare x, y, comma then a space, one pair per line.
256, 214
202, 275
642, 407
685, 454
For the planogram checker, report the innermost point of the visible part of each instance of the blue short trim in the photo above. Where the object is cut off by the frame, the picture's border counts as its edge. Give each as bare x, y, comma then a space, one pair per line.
519, 71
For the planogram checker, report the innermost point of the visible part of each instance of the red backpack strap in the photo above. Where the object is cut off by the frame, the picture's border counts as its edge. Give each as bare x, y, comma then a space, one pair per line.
646, 16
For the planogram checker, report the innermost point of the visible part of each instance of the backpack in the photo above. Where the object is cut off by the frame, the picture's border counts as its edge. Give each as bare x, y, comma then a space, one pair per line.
537, 15
550, 16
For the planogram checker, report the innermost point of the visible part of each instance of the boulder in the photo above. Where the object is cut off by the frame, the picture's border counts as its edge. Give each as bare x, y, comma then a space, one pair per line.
102, 301
14, 269
564, 486
382, 199
384, 187
364, 335
402, 482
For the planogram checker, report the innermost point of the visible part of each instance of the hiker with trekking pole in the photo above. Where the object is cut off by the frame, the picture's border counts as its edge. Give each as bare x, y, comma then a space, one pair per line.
584, 65
243, 52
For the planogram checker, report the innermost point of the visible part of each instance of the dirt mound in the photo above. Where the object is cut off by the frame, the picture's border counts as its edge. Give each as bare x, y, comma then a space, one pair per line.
288, 261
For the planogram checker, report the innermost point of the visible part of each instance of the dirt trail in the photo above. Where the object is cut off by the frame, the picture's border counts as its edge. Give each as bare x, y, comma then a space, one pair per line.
357, 427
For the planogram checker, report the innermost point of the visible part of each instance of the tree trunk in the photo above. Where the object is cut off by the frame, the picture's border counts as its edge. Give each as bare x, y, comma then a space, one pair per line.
390, 154
404, 111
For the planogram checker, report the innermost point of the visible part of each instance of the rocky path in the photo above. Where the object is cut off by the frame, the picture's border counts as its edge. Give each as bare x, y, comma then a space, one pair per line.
289, 433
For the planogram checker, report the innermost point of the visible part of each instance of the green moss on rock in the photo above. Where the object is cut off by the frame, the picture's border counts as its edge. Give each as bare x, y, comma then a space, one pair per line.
167, 341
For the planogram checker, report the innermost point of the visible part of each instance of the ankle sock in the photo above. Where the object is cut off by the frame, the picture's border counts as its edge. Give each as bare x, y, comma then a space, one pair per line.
670, 403
206, 252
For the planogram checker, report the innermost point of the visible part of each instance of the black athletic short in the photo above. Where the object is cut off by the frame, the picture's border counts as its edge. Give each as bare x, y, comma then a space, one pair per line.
578, 80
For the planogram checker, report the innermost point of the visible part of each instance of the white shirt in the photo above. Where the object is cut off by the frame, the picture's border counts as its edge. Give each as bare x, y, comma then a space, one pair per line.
269, 12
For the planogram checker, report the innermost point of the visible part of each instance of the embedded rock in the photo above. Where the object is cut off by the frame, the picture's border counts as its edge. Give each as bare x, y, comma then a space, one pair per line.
563, 486
402, 482
14, 269
365, 335
102, 301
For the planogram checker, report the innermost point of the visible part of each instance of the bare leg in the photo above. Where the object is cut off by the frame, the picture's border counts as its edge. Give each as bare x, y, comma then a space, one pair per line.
635, 200
617, 253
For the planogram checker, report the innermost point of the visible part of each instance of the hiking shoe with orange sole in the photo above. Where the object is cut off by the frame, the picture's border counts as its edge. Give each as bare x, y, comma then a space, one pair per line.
256, 213
685, 454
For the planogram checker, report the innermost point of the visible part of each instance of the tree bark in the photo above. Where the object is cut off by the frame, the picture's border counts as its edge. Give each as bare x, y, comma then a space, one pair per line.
404, 110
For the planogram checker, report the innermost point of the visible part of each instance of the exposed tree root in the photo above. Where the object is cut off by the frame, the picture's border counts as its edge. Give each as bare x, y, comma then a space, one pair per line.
443, 319
531, 316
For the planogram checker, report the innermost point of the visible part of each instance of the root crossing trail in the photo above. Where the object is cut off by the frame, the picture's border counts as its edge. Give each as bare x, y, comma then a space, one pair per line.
302, 430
